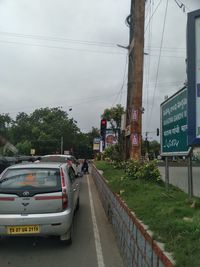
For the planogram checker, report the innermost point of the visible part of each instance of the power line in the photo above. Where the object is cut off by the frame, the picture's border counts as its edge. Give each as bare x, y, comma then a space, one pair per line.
169, 56
123, 82
158, 66
167, 48
152, 15
62, 48
149, 58
58, 39
77, 103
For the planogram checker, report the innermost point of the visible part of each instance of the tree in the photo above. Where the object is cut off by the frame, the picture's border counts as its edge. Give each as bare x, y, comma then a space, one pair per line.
5, 124
43, 129
113, 116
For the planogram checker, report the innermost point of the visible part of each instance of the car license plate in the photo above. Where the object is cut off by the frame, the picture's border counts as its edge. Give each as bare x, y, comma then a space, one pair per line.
23, 229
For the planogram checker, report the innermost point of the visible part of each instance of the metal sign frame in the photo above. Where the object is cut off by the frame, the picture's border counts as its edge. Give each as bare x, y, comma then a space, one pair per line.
193, 72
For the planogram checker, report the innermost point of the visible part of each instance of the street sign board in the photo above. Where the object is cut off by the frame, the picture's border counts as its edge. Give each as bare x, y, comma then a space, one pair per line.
96, 143
193, 72
174, 125
111, 137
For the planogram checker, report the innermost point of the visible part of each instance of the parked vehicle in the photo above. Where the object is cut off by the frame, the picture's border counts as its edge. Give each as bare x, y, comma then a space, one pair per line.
63, 158
38, 199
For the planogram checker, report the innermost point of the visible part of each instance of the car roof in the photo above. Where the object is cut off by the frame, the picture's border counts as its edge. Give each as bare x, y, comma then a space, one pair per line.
47, 165
57, 155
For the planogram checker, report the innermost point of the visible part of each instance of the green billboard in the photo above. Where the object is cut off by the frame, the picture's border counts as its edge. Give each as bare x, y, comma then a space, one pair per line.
174, 125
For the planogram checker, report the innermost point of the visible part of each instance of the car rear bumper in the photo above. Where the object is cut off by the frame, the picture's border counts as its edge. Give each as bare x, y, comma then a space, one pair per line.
49, 224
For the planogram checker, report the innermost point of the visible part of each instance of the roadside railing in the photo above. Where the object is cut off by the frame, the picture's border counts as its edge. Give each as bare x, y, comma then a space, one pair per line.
135, 241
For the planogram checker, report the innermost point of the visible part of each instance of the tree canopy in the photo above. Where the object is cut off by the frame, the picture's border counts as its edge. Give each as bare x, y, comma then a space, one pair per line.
113, 116
43, 129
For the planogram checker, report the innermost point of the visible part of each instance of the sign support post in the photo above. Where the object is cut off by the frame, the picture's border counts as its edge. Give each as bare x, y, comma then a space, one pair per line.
190, 176
166, 173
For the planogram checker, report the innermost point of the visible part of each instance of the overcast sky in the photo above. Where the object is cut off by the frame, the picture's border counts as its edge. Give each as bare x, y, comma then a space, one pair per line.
64, 53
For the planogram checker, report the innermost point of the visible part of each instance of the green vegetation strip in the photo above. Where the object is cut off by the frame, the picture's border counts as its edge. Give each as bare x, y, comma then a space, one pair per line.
173, 218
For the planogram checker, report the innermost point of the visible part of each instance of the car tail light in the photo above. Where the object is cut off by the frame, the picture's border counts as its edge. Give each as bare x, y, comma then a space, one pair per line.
64, 191
64, 199
62, 178
7, 198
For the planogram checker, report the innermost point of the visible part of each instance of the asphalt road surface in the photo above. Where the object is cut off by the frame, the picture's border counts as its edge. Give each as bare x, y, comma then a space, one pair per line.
94, 243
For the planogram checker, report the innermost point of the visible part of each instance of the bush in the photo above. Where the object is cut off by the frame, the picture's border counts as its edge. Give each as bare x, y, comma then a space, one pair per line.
149, 171
138, 170
114, 153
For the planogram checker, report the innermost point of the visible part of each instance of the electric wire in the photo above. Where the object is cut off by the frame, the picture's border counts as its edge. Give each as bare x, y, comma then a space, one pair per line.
149, 61
62, 48
152, 15
158, 66
119, 94
78, 102
57, 39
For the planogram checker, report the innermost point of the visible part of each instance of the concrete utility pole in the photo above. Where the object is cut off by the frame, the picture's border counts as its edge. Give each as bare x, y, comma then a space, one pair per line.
135, 80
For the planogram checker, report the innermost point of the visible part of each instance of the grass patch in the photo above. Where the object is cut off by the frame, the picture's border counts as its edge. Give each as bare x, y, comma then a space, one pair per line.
174, 219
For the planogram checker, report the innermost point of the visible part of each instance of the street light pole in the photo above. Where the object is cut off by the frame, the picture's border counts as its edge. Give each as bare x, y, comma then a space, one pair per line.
61, 145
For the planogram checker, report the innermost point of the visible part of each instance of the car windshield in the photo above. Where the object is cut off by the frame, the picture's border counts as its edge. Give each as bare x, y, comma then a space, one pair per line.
30, 179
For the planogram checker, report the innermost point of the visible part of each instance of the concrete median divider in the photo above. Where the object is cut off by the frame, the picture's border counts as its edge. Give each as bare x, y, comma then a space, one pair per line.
134, 239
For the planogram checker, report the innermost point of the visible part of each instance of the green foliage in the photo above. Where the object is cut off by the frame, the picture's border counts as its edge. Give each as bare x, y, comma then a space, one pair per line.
138, 170
113, 115
113, 152
150, 147
24, 147
42, 130
148, 171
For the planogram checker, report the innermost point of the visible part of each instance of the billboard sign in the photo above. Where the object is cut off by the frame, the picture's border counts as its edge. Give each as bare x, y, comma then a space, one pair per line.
96, 144
193, 72
111, 138
174, 125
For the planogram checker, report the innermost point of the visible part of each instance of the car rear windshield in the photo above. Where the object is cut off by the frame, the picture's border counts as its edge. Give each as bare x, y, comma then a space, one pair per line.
45, 180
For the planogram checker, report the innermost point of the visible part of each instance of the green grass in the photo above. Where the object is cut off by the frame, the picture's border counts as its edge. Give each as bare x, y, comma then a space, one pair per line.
163, 211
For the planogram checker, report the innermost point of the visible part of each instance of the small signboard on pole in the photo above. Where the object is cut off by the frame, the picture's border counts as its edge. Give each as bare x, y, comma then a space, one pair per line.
96, 144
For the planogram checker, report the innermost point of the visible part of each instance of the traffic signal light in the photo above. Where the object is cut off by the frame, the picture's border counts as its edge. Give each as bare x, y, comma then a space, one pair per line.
103, 127
157, 131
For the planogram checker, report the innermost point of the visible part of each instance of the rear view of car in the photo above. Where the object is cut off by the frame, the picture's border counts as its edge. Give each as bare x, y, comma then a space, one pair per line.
38, 199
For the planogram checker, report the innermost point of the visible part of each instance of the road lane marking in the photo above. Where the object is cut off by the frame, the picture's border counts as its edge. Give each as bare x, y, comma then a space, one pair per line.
98, 246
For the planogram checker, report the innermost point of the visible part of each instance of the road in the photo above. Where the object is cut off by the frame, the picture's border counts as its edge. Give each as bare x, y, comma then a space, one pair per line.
178, 176
94, 244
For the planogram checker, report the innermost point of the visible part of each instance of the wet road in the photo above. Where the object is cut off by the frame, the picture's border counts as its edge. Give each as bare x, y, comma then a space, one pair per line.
94, 243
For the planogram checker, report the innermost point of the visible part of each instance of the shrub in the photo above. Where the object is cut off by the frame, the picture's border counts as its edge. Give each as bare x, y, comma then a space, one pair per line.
114, 152
149, 171
138, 170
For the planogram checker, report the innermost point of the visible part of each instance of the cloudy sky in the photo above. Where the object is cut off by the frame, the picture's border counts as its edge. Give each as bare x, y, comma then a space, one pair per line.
64, 53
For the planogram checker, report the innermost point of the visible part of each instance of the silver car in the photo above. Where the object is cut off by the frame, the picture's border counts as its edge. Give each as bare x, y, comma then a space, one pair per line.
71, 160
38, 199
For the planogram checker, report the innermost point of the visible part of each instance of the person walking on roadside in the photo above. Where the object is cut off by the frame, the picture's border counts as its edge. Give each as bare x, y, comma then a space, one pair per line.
84, 168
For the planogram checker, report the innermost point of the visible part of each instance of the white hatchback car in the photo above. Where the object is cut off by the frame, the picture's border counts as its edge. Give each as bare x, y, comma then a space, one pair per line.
38, 199
71, 160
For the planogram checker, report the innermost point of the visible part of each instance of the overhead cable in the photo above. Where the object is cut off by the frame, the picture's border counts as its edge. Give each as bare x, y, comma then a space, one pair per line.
158, 66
